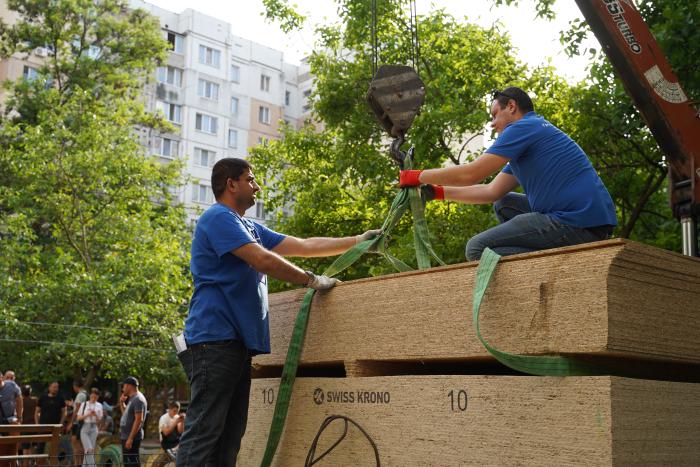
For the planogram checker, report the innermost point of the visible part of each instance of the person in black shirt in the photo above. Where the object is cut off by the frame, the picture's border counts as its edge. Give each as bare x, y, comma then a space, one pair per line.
50, 409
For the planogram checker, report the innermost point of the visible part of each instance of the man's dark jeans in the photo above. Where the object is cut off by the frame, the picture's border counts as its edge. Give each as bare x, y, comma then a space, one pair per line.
131, 456
522, 230
219, 375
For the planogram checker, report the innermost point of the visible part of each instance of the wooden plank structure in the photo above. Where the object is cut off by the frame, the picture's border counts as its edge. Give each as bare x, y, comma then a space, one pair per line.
483, 420
609, 300
10, 435
414, 368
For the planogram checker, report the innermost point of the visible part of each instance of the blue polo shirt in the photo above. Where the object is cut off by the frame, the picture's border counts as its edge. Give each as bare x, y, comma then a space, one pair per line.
555, 173
230, 297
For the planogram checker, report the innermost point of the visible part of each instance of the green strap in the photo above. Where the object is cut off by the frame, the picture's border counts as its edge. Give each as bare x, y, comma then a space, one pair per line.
407, 197
534, 365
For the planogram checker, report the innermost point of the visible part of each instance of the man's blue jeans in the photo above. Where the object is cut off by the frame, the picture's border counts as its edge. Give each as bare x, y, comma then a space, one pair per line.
522, 230
219, 376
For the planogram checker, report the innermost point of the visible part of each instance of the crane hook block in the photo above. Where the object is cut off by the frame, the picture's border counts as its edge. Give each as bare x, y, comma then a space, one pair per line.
396, 95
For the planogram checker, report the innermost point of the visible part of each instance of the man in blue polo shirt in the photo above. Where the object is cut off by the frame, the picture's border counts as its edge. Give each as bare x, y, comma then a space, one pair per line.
228, 316
565, 201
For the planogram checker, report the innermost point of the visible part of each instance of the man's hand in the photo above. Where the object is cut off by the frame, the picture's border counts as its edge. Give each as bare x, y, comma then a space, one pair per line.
128, 443
321, 282
409, 178
369, 235
431, 192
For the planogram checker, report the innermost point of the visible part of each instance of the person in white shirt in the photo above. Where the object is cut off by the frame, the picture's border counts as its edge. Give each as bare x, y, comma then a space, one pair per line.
90, 413
170, 427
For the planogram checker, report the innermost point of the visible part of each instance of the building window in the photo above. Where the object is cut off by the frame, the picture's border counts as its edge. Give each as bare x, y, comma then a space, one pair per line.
264, 115
232, 138
169, 75
265, 83
235, 73
172, 112
204, 157
287, 97
208, 89
167, 147
262, 140
202, 194
259, 210
234, 106
206, 123
307, 93
176, 42
209, 56
29, 73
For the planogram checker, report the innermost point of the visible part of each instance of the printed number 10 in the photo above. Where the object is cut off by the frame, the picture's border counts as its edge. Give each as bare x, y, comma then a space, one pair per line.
268, 396
458, 400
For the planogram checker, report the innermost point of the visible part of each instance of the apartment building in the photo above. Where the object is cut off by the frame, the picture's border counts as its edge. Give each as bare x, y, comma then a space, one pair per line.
224, 95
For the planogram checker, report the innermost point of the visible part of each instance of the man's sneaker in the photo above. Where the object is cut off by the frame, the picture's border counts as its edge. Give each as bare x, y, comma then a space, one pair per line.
172, 452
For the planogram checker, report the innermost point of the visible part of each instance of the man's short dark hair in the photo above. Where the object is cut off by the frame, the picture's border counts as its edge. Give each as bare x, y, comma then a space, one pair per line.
95, 391
79, 383
174, 405
518, 95
228, 167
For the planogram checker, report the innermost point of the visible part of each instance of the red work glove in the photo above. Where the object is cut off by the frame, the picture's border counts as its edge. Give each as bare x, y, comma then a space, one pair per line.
431, 192
409, 178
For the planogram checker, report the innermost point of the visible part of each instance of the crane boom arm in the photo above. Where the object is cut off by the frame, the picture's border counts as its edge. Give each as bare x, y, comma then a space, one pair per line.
655, 90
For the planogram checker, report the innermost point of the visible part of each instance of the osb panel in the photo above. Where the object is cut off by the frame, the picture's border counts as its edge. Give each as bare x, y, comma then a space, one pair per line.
609, 297
440, 421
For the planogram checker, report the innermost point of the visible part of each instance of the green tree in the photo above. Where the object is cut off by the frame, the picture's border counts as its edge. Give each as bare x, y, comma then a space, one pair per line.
93, 245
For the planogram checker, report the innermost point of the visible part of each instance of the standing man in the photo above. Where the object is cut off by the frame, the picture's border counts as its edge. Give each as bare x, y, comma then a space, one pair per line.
565, 201
134, 408
228, 316
11, 412
50, 410
74, 425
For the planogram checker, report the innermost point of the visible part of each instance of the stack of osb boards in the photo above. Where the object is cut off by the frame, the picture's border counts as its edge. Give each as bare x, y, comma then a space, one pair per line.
414, 369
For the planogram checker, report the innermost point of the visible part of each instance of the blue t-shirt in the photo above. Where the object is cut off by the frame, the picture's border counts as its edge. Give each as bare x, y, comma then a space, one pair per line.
230, 297
555, 173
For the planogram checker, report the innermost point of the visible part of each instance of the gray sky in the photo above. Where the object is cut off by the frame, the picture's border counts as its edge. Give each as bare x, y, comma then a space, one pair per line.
537, 40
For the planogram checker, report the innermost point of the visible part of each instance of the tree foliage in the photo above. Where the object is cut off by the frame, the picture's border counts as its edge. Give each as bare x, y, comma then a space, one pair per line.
93, 245
337, 176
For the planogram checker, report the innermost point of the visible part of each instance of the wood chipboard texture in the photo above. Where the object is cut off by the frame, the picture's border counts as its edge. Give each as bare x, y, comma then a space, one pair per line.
614, 297
483, 420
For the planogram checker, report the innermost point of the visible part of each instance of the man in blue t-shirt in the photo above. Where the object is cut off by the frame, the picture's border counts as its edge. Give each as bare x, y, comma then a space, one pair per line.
228, 316
565, 201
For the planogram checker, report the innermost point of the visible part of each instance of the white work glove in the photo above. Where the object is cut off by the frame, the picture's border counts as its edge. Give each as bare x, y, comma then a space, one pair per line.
320, 282
369, 235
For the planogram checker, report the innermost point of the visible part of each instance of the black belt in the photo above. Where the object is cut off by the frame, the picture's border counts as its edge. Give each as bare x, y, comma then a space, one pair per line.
602, 231
204, 344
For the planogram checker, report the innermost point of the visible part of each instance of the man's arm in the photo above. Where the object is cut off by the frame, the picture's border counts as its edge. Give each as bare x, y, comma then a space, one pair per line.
466, 174
138, 417
19, 407
168, 428
320, 246
482, 194
37, 414
268, 262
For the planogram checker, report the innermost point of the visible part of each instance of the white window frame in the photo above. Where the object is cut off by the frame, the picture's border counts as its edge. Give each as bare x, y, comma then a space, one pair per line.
233, 142
172, 146
235, 73
235, 103
199, 189
264, 115
178, 43
264, 82
209, 56
208, 89
172, 112
200, 152
206, 123
30, 73
169, 75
